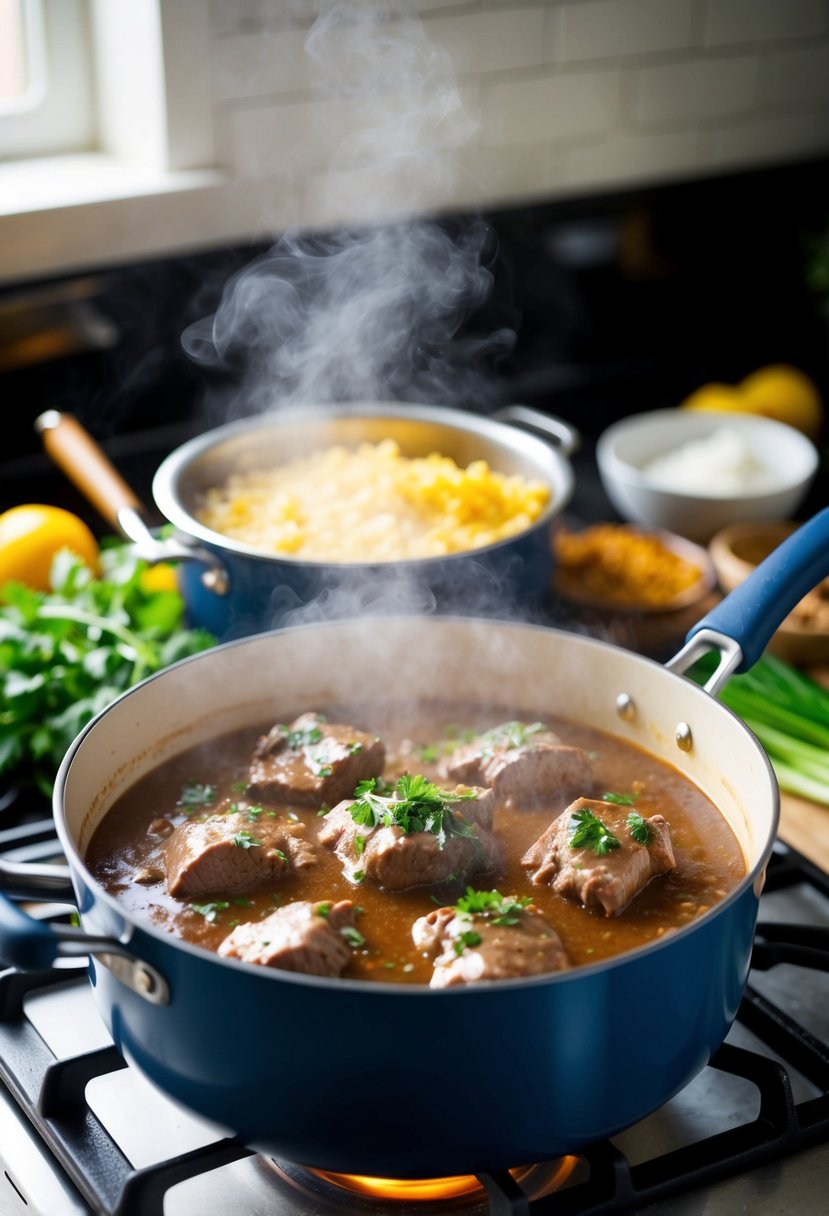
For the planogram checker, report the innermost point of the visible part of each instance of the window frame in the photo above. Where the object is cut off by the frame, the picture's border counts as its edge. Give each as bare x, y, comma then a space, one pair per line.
56, 114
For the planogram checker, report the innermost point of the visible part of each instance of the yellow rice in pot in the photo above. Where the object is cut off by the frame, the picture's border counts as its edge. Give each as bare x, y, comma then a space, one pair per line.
372, 504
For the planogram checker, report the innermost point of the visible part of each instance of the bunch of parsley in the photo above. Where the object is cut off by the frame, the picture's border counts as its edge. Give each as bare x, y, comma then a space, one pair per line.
66, 654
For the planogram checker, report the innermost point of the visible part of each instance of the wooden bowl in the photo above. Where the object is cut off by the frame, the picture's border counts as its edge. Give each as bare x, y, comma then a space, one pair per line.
803, 638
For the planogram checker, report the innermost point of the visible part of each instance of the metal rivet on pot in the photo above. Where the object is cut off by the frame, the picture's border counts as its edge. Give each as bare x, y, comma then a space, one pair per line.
684, 738
625, 707
144, 982
216, 581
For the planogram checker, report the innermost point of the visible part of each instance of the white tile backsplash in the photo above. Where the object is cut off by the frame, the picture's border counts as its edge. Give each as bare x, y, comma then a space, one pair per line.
798, 77
550, 108
765, 139
554, 96
493, 41
697, 89
732, 21
597, 29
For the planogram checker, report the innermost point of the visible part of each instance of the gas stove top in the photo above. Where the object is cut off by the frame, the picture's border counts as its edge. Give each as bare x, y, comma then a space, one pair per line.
82, 1132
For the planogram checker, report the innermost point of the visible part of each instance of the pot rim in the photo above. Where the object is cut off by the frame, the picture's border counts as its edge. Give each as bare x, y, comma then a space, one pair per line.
560, 476
754, 876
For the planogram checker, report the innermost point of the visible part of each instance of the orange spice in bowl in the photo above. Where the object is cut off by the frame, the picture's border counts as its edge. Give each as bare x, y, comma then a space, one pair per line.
621, 566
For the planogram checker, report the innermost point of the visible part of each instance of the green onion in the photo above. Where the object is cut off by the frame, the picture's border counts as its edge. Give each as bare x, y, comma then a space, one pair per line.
789, 714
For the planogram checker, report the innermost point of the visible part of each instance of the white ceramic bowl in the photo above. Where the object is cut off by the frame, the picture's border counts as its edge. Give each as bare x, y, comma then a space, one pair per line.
628, 446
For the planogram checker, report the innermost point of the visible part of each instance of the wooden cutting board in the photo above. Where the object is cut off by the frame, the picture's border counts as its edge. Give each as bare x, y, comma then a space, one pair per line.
805, 826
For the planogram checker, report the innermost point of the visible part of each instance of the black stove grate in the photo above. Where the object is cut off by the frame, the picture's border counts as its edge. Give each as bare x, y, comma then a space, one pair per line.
51, 1092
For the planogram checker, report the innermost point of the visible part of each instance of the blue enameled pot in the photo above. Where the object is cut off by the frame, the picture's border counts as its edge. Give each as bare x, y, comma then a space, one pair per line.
403, 1081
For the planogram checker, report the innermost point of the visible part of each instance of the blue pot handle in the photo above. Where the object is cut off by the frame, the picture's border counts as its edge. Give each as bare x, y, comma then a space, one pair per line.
34, 945
26, 943
741, 626
753, 611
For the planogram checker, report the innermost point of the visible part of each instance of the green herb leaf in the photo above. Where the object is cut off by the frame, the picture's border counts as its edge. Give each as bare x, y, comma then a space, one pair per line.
510, 735
467, 938
353, 936
211, 911
303, 737
195, 794
641, 831
591, 833
244, 840
414, 804
619, 799
492, 905
67, 654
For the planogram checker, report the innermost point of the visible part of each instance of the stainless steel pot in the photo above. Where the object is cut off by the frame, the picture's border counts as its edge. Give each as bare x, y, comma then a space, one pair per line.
234, 590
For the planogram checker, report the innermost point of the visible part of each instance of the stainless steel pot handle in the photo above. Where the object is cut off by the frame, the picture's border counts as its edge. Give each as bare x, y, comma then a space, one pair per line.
564, 436
75, 451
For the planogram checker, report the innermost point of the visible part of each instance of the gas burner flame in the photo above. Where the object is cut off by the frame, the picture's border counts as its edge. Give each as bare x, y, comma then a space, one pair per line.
535, 1182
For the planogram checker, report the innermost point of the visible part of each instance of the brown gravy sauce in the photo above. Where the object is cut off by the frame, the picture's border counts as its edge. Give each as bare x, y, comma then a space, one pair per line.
709, 859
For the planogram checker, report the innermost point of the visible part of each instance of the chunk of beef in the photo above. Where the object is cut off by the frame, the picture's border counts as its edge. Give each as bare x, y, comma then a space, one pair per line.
312, 762
610, 881
472, 948
302, 936
226, 854
395, 859
523, 766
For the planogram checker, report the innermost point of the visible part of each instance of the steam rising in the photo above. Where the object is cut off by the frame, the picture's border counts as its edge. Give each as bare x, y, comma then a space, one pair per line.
370, 314
373, 313
354, 318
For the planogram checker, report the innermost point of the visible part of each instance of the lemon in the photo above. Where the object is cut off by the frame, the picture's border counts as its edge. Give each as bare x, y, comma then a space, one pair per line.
714, 396
31, 535
161, 577
787, 394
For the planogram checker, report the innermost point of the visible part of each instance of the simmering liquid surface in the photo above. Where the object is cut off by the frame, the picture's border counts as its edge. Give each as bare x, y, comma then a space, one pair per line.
709, 859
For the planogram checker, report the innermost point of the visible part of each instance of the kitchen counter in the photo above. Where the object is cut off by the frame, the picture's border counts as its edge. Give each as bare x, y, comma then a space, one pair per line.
805, 826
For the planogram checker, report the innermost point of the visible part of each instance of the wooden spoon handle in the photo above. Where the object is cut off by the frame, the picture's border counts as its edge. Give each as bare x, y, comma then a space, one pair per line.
75, 451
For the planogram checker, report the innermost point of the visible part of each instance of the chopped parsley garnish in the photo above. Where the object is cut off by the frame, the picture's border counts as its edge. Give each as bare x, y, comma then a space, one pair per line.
358, 875
468, 938
210, 911
254, 811
244, 840
304, 737
591, 833
619, 799
323, 769
414, 805
243, 903
511, 734
280, 855
359, 845
353, 936
428, 753
641, 831
323, 910
195, 793
355, 747
495, 907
